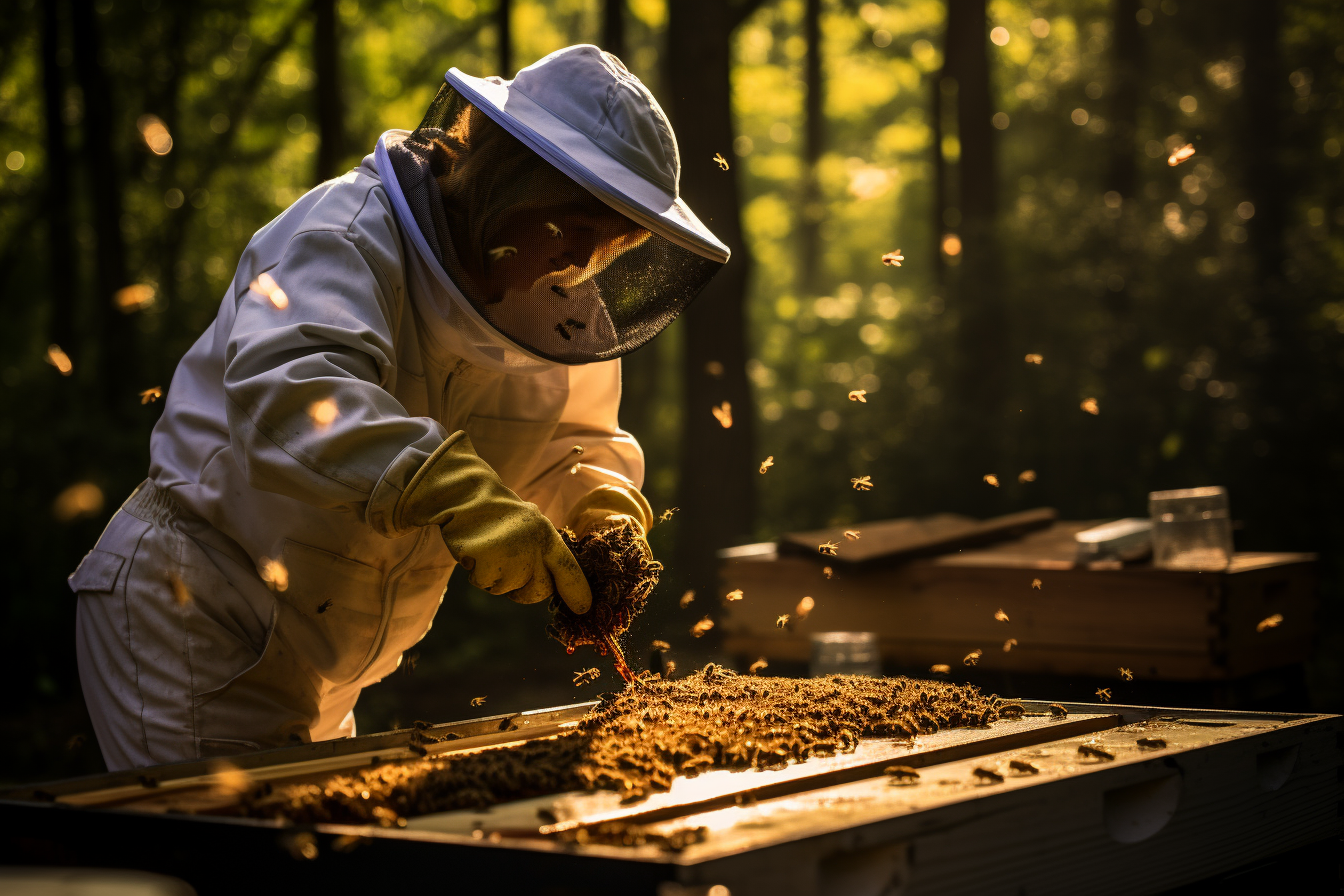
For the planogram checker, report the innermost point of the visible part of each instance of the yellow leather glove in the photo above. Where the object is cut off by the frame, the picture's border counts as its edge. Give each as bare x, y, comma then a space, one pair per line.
505, 542
609, 505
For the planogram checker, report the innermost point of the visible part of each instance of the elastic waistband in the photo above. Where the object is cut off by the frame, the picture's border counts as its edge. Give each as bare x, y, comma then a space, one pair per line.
152, 504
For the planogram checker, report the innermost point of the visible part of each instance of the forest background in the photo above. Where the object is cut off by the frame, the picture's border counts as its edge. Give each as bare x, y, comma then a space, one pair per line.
1016, 151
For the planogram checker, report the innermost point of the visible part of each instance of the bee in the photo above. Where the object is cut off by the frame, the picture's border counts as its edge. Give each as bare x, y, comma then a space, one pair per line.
1036, 583
667, 514
555, 231
757, 666
804, 607
1090, 405
1057, 711
767, 464
724, 414
57, 358
827, 571
859, 395
852, 534
1034, 359
574, 470
569, 322
893, 259
1104, 694
417, 750
733, 595
688, 598
1151, 743
324, 606
862, 483
1000, 615
991, 479
1026, 476
151, 395
1009, 645
1126, 674
661, 645
577, 449
901, 775
829, 549
1269, 622
1180, 154
274, 573
1091, 752
940, 669
507, 724
1025, 768
587, 676
1011, 710
986, 776
721, 161
701, 628
782, 621
410, 661
669, 667
501, 252
973, 657
477, 701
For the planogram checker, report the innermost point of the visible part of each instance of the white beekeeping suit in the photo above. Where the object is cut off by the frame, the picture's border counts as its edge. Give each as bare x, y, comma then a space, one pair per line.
396, 381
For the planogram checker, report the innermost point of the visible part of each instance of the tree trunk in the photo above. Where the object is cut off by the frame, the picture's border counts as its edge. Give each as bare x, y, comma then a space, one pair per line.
504, 34
330, 109
1126, 71
613, 28
60, 253
814, 125
939, 203
982, 348
117, 355
716, 486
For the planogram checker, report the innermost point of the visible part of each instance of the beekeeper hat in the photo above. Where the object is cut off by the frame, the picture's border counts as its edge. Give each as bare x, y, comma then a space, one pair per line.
582, 111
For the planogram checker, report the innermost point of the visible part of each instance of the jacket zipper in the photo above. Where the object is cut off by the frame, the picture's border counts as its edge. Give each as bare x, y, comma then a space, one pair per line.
389, 588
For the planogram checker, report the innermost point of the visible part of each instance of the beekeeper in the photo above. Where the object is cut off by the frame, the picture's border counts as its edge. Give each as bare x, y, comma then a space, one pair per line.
416, 365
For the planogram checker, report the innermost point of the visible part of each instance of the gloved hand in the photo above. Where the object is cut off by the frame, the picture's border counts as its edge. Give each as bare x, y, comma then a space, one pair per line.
609, 505
505, 542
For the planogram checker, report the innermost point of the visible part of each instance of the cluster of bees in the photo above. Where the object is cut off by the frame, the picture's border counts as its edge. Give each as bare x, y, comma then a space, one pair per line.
622, 572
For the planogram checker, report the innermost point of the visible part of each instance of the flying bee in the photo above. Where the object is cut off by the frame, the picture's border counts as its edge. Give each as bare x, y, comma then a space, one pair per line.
973, 657
720, 161
477, 701
1036, 583
724, 414
733, 595
901, 775
661, 645
324, 606
500, 252
688, 598
151, 395
577, 449
1000, 615
767, 464
587, 676
1104, 694
987, 776
827, 571
829, 549
1009, 644
1180, 154
1126, 674
569, 322
1269, 622
1091, 752
701, 628
893, 259
1151, 743
852, 534
991, 479
757, 666
862, 483
940, 669
555, 231
782, 621
1025, 768
1034, 359
804, 608
859, 395
1090, 405
1026, 476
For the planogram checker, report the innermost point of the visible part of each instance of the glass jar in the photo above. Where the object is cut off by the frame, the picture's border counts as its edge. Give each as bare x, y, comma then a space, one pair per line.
845, 653
1192, 528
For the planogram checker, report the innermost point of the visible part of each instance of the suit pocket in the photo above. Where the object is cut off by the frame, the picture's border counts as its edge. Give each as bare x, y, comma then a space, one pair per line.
98, 571
511, 447
331, 612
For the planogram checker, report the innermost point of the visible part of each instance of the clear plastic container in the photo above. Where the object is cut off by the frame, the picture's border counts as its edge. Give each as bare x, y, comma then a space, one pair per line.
845, 653
1192, 528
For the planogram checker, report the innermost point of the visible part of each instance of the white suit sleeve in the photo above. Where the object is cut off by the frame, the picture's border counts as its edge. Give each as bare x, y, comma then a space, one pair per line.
611, 456
309, 407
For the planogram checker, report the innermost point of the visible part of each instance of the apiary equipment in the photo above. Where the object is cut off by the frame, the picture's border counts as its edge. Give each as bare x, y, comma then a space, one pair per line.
931, 602
1103, 799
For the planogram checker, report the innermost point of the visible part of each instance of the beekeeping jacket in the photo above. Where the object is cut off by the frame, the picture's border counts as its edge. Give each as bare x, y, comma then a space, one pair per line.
249, 589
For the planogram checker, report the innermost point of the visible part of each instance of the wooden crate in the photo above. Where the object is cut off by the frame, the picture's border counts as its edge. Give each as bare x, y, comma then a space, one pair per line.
1206, 793
1161, 624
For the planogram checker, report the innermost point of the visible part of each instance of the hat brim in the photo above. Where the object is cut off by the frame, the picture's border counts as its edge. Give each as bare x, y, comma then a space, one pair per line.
582, 160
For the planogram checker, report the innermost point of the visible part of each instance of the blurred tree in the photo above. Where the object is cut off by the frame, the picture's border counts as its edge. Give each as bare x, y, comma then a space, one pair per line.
60, 250
814, 125
613, 27
504, 36
330, 106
